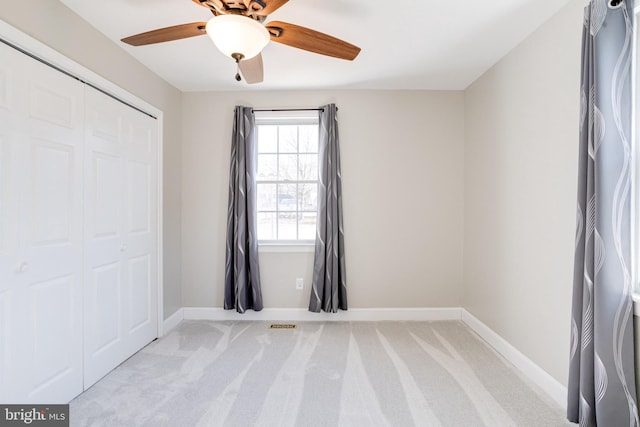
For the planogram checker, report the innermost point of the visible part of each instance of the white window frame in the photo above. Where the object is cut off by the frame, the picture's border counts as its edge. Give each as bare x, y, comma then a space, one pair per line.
295, 117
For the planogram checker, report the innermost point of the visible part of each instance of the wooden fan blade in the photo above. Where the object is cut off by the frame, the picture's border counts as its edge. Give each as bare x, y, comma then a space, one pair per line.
167, 34
264, 7
311, 40
252, 69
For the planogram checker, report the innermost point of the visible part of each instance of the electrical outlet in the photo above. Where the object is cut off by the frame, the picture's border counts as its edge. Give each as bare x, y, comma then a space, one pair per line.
299, 283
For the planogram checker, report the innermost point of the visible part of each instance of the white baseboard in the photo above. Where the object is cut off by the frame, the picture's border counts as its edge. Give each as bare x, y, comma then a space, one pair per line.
301, 314
532, 371
172, 321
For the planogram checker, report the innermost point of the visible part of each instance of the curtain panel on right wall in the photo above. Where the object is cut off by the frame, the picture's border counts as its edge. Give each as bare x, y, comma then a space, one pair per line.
329, 286
601, 390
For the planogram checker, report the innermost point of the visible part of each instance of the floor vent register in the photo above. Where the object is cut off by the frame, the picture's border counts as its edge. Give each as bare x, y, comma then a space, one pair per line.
283, 326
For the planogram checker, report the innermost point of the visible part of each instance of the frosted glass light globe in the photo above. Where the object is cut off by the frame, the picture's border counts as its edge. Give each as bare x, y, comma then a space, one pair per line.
237, 34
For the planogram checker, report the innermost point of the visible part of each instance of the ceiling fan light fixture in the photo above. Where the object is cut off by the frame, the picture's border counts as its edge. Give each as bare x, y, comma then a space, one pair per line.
237, 34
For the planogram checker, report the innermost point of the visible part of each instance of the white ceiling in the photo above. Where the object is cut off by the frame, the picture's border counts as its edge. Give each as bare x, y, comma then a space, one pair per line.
411, 44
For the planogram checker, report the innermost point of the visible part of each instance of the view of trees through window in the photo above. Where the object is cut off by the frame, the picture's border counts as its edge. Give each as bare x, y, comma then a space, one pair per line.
287, 181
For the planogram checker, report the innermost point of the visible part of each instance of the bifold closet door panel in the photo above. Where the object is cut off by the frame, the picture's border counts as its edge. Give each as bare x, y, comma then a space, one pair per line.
121, 227
41, 234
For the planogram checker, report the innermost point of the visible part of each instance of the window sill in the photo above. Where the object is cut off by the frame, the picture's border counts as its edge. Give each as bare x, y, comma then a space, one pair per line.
286, 247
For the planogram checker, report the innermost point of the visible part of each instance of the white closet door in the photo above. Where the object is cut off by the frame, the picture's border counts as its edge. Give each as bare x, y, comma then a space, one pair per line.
41, 134
121, 228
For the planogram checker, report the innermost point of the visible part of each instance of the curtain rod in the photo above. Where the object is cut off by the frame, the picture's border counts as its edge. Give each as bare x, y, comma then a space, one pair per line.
291, 109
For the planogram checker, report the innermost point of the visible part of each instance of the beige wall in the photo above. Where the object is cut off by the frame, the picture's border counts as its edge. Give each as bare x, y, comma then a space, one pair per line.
402, 163
521, 125
55, 25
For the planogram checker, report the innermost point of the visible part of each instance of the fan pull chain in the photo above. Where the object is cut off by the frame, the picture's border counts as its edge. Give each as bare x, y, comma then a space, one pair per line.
238, 57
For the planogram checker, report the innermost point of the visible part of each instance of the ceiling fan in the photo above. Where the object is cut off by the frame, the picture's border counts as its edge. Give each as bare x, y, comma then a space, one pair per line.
238, 30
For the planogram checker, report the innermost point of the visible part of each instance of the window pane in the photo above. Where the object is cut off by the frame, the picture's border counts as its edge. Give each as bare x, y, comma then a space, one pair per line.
289, 139
308, 167
267, 167
267, 226
288, 167
287, 197
308, 197
308, 138
267, 139
287, 226
307, 226
266, 197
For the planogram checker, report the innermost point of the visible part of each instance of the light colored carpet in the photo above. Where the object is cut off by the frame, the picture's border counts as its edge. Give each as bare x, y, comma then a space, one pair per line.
355, 374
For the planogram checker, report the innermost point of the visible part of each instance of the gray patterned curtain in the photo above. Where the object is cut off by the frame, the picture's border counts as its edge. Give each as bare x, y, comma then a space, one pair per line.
601, 372
328, 289
242, 275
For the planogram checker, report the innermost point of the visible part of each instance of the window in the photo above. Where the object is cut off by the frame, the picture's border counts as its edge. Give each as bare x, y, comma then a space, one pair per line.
287, 176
